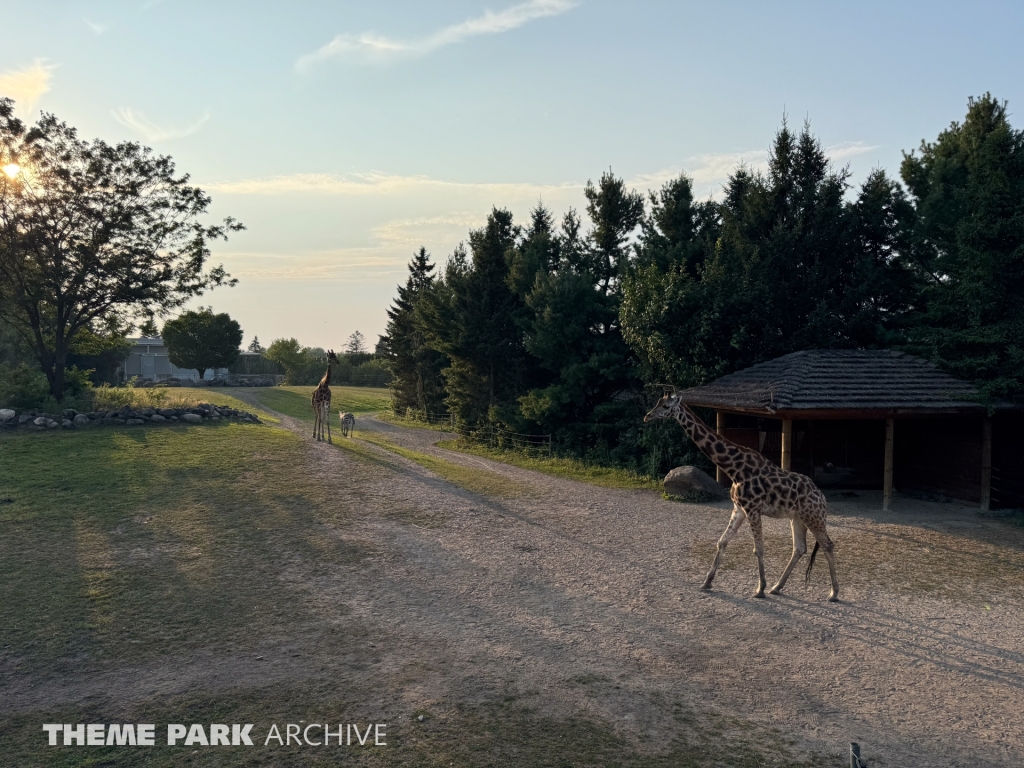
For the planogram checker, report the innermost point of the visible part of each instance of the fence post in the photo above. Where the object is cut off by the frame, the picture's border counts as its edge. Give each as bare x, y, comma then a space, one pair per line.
855, 755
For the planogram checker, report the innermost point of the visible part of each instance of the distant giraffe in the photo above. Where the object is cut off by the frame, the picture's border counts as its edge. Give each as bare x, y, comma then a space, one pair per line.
321, 402
759, 489
348, 424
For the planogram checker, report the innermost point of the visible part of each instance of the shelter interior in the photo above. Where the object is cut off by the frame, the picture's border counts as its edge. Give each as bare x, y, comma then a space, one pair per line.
932, 456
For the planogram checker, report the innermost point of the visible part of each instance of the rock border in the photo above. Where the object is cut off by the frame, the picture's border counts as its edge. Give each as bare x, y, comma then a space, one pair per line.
32, 420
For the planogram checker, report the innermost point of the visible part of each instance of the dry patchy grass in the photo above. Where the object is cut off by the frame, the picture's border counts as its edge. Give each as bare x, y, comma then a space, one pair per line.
570, 469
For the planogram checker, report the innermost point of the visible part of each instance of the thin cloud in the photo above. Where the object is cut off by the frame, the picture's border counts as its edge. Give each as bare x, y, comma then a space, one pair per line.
152, 132
98, 29
375, 184
410, 233
341, 264
26, 85
838, 152
372, 47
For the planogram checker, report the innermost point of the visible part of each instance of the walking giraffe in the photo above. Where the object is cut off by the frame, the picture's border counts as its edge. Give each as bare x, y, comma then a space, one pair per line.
321, 402
759, 489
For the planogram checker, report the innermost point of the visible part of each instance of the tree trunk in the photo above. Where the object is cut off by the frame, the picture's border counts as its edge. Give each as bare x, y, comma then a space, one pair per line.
54, 370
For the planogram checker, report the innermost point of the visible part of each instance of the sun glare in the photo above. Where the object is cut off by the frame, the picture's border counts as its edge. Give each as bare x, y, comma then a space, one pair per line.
12, 169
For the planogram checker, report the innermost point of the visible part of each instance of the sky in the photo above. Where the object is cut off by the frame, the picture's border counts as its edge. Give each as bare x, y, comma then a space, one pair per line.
345, 135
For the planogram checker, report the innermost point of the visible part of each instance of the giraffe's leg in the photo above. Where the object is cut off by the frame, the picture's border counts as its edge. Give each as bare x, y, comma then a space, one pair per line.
730, 530
799, 548
327, 419
755, 530
834, 594
316, 419
827, 547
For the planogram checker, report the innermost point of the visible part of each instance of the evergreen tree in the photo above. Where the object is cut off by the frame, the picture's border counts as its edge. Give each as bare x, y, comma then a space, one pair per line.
356, 343
774, 276
574, 331
415, 368
968, 242
472, 319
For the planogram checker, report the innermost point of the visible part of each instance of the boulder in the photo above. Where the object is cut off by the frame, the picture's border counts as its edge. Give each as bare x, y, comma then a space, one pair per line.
6, 414
192, 418
81, 420
157, 418
24, 419
51, 424
41, 421
685, 480
135, 422
166, 412
67, 424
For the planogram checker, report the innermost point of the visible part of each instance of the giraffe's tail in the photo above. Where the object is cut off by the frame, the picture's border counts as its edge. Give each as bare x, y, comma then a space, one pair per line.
807, 576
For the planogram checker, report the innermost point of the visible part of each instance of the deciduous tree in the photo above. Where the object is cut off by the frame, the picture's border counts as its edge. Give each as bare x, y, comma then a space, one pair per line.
202, 340
93, 235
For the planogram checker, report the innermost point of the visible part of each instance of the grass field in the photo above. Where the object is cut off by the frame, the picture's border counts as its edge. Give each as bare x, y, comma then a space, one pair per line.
294, 401
570, 469
131, 557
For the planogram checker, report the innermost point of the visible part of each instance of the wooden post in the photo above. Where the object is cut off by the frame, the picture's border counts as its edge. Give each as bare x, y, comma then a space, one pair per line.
720, 429
787, 444
887, 477
986, 462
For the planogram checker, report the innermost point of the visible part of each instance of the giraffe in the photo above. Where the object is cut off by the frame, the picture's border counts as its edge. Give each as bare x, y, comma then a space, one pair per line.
348, 424
759, 489
321, 402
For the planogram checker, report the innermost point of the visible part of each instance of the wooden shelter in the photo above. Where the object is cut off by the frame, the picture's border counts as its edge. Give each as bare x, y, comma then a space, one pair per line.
872, 419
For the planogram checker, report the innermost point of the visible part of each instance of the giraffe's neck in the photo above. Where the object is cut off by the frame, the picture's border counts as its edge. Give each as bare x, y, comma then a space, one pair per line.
735, 462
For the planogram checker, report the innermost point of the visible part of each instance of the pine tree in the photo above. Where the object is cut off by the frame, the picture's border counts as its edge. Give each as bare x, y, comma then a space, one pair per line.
574, 333
968, 243
356, 343
471, 318
415, 368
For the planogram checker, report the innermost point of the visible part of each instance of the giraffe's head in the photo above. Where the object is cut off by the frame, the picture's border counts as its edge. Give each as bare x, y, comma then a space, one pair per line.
332, 358
666, 408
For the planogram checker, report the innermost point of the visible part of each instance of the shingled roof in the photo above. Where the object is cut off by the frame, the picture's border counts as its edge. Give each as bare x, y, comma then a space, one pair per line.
860, 382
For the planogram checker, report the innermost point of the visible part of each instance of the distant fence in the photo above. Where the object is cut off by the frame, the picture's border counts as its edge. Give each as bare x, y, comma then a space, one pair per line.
489, 435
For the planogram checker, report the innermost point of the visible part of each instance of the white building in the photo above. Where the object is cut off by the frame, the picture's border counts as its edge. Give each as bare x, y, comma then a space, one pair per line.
149, 361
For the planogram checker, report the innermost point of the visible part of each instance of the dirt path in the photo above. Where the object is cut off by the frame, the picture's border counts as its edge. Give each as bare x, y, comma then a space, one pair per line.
920, 665
584, 600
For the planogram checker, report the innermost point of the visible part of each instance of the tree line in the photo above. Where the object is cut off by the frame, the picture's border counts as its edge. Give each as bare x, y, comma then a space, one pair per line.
572, 327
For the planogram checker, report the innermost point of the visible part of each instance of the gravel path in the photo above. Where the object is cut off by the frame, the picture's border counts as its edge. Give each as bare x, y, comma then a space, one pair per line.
922, 661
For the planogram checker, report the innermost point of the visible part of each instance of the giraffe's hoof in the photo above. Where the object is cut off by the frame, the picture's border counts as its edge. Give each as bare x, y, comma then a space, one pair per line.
706, 586
775, 591
759, 594
833, 597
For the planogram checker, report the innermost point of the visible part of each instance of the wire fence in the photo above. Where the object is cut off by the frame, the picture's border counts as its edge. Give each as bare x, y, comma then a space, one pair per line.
487, 435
